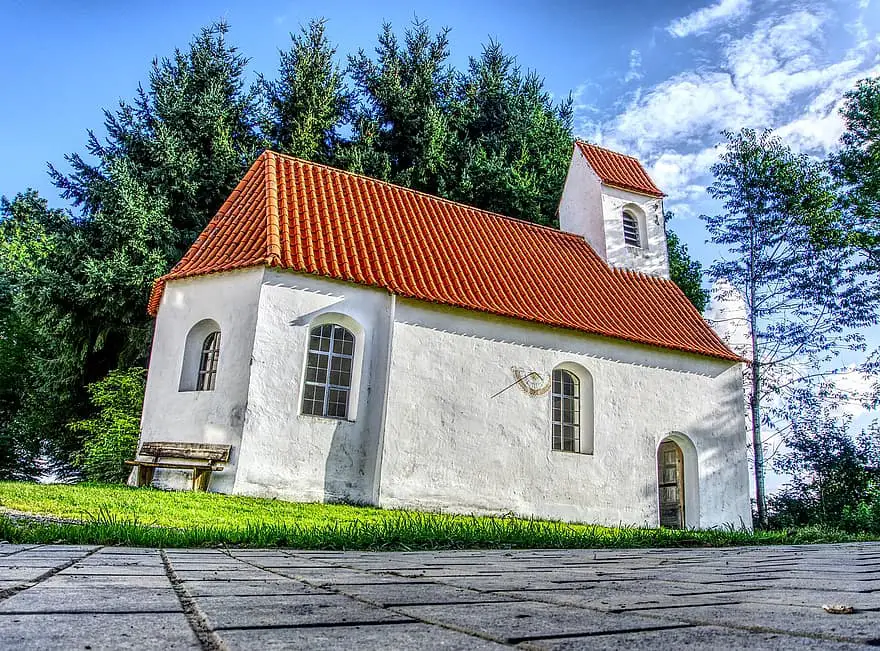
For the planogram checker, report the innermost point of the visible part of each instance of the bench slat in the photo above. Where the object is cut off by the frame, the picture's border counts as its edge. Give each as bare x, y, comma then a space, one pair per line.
171, 464
185, 450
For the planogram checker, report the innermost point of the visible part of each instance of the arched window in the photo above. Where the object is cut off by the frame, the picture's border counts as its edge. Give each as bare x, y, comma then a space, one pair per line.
201, 356
208, 362
631, 230
328, 371
566, 398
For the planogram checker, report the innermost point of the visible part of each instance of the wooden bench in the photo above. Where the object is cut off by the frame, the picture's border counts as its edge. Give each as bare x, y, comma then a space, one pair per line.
201, 458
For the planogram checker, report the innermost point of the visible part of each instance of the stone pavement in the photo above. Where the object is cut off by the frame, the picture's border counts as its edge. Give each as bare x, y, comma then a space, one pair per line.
77, 597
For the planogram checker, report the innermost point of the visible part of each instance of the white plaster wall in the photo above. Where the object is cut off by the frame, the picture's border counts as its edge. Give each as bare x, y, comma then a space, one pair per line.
449, 445
580, 206
307, 458
652, 257
215, 416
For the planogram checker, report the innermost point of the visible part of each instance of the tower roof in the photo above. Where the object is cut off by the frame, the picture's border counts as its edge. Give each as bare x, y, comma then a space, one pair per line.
618, 170
304, 217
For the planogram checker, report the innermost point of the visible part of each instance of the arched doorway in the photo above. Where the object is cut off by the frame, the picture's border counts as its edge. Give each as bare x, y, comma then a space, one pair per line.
670, 477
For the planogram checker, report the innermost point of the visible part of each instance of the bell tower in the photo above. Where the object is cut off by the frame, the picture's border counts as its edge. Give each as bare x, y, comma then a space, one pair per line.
610, 200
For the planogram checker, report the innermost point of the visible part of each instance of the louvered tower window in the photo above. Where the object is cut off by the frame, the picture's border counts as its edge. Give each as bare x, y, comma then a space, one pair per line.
631, 230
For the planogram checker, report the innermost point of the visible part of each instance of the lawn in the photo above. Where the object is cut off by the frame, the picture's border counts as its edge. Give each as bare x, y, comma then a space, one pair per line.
119, 515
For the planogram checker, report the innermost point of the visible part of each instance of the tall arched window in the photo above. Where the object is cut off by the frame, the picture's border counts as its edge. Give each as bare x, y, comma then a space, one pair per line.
631, 230
208, 362
328, 371
566, 399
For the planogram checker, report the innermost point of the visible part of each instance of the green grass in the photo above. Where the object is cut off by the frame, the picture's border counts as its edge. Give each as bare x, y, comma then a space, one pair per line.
118, 515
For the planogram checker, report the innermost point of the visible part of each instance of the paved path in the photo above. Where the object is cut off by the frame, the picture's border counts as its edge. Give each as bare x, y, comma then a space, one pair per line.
74, 597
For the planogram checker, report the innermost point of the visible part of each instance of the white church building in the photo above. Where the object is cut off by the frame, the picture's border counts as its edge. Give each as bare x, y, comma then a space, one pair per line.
353, 340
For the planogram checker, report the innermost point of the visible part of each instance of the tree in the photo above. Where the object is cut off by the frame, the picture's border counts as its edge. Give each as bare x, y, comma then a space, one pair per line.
168, 162
308, 103
857, 166
794, 289
832, 471
684, 271
111, 436
30, 233
512, 144
489, 137
402, 130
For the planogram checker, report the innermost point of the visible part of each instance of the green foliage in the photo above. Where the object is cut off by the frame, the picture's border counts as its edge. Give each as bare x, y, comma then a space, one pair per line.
118, 515
684, 271
490, 137
857, 166
306, 106
834, 474
112, 435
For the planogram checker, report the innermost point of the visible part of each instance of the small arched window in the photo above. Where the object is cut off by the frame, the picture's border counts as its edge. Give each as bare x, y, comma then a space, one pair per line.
208, 362
328, 371
566, 398
631, 230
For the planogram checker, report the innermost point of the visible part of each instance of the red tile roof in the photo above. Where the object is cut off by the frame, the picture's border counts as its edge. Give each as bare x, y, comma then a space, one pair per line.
619, 170
308, 218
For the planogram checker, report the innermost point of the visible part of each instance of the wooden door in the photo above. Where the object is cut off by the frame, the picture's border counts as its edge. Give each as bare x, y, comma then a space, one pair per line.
670, 472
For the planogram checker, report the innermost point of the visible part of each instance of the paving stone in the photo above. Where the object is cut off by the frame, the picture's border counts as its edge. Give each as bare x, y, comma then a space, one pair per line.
857, 627
290, 610
518, 621
42, 599
612, 600
696, 638
128, 569
363, 638
248, 588
105, 580
404, 594
97, 632
21, 574
250, 574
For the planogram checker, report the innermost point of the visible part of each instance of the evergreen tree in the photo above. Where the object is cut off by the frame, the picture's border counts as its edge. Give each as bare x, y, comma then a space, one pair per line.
684, 271
402, 127
169, 161
308, 103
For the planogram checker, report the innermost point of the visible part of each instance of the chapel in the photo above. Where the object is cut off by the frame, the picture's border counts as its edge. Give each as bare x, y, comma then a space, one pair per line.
352, 340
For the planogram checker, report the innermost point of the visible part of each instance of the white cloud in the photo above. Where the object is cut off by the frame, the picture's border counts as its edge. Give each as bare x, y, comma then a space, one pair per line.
635, 63
673, 172
778, 75
708, 17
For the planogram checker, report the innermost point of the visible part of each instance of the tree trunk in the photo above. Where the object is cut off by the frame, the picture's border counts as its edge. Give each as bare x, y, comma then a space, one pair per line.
757, 443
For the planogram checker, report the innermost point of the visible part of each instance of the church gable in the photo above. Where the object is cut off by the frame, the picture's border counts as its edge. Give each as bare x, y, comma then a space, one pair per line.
309, 218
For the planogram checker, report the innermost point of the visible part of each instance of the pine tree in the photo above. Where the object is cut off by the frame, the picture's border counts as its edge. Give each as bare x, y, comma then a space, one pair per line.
308, 103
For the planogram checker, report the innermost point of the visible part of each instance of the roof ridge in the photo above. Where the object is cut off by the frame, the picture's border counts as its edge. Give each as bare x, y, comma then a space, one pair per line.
273, 224
432, 197
610, 151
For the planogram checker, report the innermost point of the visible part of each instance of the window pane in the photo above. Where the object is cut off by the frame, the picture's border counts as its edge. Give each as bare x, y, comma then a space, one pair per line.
337, 406
316, 370
343, 341
313, 400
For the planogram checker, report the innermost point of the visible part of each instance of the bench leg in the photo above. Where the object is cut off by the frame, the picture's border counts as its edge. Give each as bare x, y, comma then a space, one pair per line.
201, 477
145, 475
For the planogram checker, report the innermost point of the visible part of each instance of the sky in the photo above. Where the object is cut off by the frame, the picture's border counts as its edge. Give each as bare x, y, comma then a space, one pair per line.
658, 80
